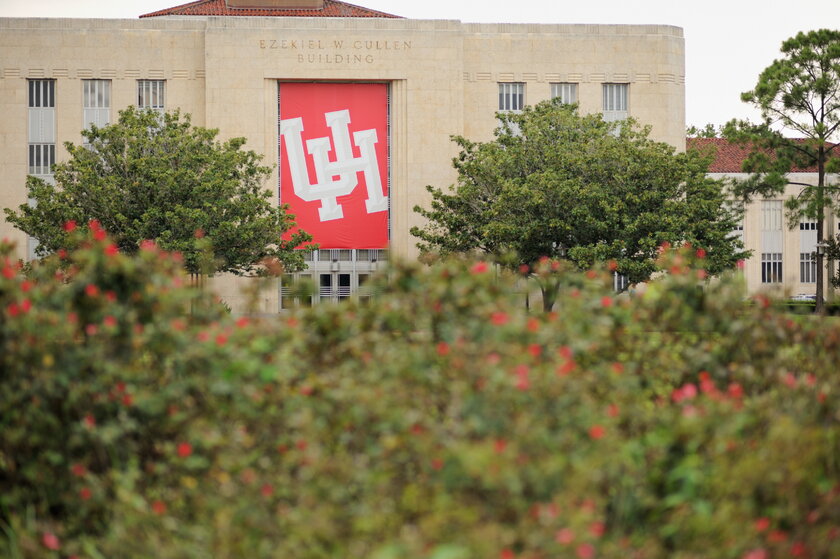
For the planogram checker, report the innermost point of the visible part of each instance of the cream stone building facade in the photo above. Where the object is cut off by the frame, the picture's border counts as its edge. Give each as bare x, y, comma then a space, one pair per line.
783, 263
225, 62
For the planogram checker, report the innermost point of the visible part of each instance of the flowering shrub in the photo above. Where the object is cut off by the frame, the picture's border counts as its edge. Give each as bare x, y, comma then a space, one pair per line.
439, 420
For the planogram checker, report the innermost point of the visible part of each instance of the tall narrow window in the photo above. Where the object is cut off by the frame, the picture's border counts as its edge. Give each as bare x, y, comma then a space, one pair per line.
566, 92
41, 126
807, 250
615, 101
41, 141
772, 244
771, 267
96, 102
511, 96
150, 94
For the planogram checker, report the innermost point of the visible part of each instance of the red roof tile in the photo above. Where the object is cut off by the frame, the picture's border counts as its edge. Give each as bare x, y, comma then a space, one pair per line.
728, 157
332, 8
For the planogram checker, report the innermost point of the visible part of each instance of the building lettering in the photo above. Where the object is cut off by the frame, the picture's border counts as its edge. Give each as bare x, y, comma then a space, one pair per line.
344, 52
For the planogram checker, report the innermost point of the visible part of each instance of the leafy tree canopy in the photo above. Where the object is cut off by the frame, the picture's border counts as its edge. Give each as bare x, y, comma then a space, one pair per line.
558, 184
153, 176
799, 99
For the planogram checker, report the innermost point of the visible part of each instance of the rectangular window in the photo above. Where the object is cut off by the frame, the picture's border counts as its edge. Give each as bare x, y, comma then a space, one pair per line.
511, 96
771, 215
620, 282
771, 267
150, 94
566, 92
41, 94
41, 159
615, 101
807, 267
96, 102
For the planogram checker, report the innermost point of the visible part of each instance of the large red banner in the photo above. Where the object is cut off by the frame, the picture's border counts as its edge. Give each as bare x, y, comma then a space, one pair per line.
334, 161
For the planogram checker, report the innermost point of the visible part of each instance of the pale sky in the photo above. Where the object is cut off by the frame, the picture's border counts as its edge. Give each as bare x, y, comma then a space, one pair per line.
728, 42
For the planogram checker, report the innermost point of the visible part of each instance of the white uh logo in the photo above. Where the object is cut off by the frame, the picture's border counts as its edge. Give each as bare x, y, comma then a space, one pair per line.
345, 167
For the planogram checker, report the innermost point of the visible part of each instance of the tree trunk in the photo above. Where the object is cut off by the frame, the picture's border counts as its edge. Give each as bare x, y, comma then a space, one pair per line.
820, 304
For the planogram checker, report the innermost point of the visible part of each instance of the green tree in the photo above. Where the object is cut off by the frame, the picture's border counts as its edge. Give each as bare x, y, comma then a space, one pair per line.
152, 176
708, 131
557, 184
799, 99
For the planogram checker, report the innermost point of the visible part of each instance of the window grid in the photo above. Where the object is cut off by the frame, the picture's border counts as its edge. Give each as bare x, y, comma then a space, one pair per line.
566, 92
41, 94
808, 226
41, 159
511, 96
771, 215
771, 267
150, 94
615, 97
96, 103
807, 267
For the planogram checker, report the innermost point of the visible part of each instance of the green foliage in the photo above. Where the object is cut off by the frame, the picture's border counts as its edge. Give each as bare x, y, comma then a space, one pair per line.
558, 184
708, 131
438, 420
152, 176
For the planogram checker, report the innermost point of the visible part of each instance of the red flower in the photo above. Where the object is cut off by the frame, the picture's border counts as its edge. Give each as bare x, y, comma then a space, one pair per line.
221, 340
479, 268
109, 321
437, 464
612, 410
85, 493
762, 524
8, 271
597, 432
147, 246
128, 400
564, 536
790, 380
735, 390
597, 529
524, 269
499, 446
755, 554
535, 349
585, 551
777, 536
111, 249
606, 301
78, 469
184, 450
13, 309
442, 348
266, 490
798, 549
533, 325
617, 368
99, 235
499, 318
507, 554
566, 368
70, 225
89, 421
159, 507
701, 253
50, 541
242, 322
91, 290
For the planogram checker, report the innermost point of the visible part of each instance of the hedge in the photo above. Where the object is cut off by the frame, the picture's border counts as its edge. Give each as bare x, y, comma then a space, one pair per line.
439, 420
